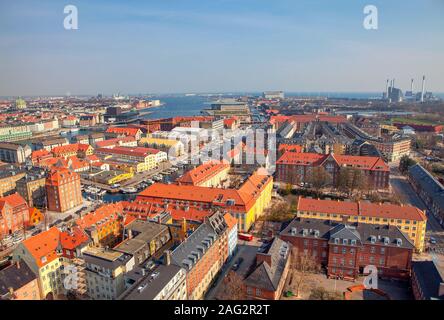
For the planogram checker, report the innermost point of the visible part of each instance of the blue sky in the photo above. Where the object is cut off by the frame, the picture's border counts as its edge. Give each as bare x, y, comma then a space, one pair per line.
166, 46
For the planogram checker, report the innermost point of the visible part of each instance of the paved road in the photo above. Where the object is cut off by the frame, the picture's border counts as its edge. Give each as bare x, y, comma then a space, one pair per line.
404, 190
211, 294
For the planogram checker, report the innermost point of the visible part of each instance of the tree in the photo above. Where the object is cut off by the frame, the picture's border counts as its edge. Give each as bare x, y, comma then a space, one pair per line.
405, 163
279, 212
302, 264
232, 287
319, 178
320, 293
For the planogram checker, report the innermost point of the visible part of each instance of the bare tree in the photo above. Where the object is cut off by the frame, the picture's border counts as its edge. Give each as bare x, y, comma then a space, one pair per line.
302, 264
319, 178
232, 287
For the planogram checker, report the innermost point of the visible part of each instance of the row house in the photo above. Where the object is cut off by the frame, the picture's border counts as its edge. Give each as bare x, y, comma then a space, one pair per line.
116, 132
76, 149
295, 168
104, 225
46, 255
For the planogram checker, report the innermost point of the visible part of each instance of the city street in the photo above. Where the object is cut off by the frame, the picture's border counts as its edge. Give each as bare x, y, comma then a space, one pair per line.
404, 190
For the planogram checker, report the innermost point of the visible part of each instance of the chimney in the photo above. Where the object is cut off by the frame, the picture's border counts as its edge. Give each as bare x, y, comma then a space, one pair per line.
393, 83
167, 258
423, 89
387, 88
411, 86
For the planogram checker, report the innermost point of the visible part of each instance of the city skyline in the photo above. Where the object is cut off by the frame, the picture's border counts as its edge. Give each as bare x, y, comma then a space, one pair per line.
222, 46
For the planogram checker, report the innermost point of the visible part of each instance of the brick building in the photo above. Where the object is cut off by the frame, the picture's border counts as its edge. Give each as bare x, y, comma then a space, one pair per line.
295, 167
63, 190
410, 220
345, 249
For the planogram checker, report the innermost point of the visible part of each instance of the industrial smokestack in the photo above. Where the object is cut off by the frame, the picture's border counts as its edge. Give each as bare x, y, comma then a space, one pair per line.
423, 89
387, 88
393, 83
411, 86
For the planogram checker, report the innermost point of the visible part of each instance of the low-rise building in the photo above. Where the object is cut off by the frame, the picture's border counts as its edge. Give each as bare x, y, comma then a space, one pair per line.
295, 168
9, 175
211, 174
104, 225
173, 148
76, 149
166, 282
50, 143
14, 153
14, 214
427, 281
410, 220
115, 132
143, 239
18, 282
429, 189
346, 249
105, 271
246, 204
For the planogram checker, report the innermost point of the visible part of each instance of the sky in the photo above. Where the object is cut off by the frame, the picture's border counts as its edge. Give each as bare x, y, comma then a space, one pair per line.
172, 46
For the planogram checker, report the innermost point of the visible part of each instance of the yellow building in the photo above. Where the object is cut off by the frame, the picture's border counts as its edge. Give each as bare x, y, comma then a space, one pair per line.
172, 147
246, 204
211, 174
112, 177
410, 220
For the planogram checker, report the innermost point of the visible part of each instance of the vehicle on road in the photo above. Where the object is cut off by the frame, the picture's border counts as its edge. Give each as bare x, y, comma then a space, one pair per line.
236, 266
245, 236
432, 240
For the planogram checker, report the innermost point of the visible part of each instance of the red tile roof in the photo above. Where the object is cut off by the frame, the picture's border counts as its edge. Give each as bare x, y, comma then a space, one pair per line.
108, 212
203, 172
43, 246
130, 151
123, 130
389, 211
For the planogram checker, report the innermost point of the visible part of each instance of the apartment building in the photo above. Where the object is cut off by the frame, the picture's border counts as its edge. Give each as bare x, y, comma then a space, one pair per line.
170, 147
246, 204
166, 282
410, 220
63, 190
14, 214
32, 187
429, 189
143, 158
14, 153
346, 249
14, 133
9, 175
70, 150
18, 282
104, 225
105, 270
295, 168
211, 174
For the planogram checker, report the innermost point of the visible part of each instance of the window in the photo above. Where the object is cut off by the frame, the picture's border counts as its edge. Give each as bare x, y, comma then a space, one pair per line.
249, 290
258, 292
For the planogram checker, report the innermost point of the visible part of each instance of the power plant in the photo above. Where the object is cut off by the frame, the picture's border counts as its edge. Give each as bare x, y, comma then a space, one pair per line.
394, 95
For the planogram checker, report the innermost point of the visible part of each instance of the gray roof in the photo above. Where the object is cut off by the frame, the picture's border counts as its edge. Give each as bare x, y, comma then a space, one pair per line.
148, 286
362, 232
200, 236
97, 260
428, 184
267, 276
15, 277
146, 230
428, 278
